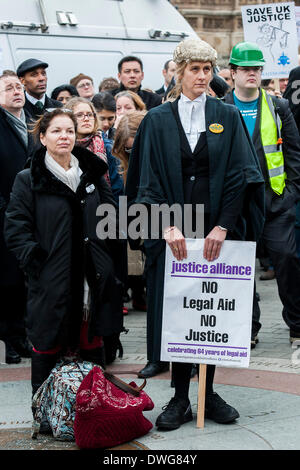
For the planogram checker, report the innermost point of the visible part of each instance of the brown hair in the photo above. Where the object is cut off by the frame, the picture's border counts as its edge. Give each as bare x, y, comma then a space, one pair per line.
41, 125
81, 76
127, 128
135, 98
73, 102
8, 73
109, 83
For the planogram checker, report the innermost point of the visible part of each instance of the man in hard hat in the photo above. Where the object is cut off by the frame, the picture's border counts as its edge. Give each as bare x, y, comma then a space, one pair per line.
276, 140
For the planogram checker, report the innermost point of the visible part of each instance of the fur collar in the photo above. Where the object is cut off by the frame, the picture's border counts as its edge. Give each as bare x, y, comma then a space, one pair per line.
42, 180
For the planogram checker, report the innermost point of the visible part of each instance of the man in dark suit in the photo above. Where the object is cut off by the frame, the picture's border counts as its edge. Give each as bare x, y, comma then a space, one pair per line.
33, 76
14, 151
131, 76
168, 73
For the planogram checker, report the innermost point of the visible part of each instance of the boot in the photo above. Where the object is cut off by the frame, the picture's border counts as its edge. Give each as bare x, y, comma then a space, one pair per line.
41, 366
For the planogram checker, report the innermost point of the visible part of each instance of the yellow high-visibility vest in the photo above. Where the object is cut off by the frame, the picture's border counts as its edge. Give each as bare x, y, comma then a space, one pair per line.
270, 132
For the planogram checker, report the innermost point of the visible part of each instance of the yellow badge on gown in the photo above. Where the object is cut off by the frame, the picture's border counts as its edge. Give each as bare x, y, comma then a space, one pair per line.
216, 128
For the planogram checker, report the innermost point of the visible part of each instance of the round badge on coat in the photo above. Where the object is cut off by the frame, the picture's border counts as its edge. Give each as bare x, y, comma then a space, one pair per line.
216, 128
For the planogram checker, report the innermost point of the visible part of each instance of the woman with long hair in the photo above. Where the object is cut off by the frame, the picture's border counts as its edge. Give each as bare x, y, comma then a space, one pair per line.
124, 138
123, 143
126, 102
88, 134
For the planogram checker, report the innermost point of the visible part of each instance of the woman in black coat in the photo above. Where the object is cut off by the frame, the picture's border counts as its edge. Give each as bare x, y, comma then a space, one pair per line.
51, 229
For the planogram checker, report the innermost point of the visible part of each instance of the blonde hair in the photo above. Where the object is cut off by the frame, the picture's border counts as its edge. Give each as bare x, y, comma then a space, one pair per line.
73, 102
177, 89
135, 98
127, 128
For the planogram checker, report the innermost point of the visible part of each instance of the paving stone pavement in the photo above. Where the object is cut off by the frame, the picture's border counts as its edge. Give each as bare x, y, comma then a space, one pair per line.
267, 394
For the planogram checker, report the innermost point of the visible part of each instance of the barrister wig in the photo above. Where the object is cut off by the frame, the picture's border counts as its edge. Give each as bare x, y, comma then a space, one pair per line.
194, 50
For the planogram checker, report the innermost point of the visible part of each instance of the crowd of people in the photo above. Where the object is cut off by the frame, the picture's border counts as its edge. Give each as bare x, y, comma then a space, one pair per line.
62, 157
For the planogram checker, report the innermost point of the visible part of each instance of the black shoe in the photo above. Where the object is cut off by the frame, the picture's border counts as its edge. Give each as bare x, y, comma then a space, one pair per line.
218, 410
175, 413
294, 337
22, 347
11, 356
153, 368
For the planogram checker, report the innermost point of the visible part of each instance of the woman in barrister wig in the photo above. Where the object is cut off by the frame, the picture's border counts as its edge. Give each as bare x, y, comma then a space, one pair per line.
178, 157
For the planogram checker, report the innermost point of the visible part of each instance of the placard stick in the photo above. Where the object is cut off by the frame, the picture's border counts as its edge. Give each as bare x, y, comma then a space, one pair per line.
201, 395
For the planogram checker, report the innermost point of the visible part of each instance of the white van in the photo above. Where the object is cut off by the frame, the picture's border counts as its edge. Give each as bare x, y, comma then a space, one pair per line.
90, 36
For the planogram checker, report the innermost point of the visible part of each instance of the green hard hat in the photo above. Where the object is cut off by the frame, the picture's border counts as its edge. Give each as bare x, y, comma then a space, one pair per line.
246, 54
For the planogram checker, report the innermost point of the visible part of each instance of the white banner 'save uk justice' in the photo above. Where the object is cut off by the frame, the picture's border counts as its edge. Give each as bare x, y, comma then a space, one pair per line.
207, 309
273, 28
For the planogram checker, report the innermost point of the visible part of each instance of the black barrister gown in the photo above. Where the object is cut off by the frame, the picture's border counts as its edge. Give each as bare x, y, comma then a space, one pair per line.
155, 176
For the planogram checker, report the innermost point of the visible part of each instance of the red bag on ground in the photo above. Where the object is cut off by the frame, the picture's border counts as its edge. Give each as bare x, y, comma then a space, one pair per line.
109, 414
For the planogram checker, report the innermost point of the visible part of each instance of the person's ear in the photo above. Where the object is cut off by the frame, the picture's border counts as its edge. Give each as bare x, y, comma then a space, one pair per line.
43, 140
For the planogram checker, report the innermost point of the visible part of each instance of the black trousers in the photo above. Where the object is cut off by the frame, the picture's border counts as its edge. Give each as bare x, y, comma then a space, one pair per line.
279, 239
181, 374
12, 312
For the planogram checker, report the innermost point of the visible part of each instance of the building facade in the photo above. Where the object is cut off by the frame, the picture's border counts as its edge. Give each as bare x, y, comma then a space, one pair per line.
219, 22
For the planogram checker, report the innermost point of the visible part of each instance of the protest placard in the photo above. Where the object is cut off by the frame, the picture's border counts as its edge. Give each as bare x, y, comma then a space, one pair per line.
207, 310
273, 28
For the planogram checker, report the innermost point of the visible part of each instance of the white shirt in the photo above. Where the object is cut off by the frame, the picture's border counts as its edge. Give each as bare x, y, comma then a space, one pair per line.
192, 116
33, 100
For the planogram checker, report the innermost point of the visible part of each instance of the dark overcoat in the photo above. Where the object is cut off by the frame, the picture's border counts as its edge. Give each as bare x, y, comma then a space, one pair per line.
155, 177
52, 232
13, 156
31, 111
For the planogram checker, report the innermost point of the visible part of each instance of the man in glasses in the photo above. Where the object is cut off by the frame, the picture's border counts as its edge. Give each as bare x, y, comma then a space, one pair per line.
275, 136
84, 85
32, 74
14, 151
